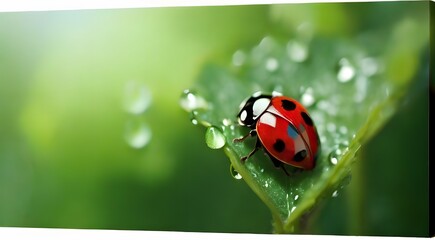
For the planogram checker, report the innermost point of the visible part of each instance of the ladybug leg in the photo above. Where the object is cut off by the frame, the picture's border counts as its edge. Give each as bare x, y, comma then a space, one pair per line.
278, 163
257, 146
251, 133
283, 168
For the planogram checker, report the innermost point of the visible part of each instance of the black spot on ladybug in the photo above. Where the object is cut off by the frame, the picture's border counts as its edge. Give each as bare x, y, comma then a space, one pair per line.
299, 156
288, 105
307, 119
279, 145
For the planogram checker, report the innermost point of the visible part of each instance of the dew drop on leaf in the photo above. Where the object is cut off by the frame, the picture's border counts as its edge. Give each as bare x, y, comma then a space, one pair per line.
226, 122
296, 197
214, 138
338, 151
193, 116
194, 121
236, 175
190, 101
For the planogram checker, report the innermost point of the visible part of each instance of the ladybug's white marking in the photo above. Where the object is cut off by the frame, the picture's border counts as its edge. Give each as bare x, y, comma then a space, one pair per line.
274, 111
269, 119
243, 115
260, 106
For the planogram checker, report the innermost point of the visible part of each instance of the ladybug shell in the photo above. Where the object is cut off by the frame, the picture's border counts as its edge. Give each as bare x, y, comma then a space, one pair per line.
288, 133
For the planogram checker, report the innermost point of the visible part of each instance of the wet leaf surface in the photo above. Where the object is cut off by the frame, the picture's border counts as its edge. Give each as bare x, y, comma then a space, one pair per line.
343, 85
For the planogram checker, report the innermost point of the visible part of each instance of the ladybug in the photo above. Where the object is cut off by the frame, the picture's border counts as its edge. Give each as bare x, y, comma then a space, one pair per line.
283, 128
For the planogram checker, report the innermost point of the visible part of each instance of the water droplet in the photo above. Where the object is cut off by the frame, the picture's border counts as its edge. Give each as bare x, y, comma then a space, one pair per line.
239, 58
346, 180
342, 129
297, 51
137, 134
234, 173
293, 209
330, 127
193, 119
328, 107
335, 193
369, 66
214, 138
227, 122
337, 153
346, 71
190, 101
272, 64
296, 197
307, 98
266, 184
333, 159
137, 97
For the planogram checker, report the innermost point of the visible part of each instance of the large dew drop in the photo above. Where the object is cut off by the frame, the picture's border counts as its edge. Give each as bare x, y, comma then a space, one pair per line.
214, 138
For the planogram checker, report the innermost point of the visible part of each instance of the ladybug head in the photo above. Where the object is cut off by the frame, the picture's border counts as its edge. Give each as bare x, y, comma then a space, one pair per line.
252, 108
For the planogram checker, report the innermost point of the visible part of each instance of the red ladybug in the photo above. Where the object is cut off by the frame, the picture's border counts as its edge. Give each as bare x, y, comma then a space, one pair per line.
284, 128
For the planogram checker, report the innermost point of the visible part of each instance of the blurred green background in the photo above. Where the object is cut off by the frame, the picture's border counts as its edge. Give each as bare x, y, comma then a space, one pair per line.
92, 135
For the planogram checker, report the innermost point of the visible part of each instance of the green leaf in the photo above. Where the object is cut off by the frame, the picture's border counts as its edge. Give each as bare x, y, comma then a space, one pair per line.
344, 86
